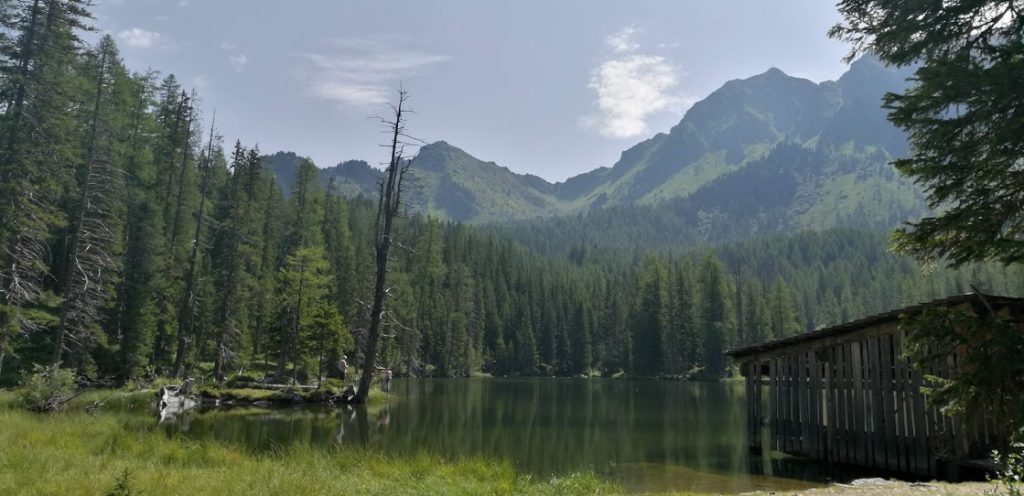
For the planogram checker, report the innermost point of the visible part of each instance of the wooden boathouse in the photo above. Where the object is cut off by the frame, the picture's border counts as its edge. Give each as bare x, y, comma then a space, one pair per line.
848, 395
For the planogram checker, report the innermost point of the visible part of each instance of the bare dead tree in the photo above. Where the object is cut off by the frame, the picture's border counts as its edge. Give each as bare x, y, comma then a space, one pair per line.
389, 206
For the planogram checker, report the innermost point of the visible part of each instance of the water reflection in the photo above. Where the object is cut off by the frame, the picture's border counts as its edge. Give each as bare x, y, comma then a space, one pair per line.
647, 435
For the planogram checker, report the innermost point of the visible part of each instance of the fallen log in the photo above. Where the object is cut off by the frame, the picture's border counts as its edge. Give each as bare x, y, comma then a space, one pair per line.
272, 387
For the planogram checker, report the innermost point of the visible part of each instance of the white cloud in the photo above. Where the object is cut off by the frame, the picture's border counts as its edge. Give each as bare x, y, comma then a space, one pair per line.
352, 93
624, 41
363, 72
631, 86
140, 38
238, 60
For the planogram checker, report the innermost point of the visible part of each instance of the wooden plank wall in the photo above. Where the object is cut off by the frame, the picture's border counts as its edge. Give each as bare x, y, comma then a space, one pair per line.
854, 402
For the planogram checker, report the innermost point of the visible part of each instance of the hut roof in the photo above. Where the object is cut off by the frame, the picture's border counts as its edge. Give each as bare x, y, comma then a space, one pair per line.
874, 320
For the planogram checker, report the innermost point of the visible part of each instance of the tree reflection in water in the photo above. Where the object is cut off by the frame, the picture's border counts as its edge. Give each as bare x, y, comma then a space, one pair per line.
646, 435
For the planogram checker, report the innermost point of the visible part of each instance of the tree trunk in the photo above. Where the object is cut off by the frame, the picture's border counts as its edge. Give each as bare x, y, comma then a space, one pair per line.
388, 206
4, 336
186, 313
71, 296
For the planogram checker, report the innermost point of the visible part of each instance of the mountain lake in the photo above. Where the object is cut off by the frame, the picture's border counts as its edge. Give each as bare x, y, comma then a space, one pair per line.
645, 435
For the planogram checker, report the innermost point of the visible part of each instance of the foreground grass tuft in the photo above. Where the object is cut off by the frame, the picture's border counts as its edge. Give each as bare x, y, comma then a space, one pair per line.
76, 453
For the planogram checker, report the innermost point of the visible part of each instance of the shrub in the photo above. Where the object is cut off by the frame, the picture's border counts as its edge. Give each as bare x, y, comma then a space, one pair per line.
335, 385
122, 485
241, 379
1008, 477
48, 388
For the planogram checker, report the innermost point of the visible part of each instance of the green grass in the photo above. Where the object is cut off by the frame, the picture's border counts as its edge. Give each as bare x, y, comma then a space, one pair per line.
79, 454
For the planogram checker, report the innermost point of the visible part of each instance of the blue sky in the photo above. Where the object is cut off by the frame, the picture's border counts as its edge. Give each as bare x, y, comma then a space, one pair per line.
553, 88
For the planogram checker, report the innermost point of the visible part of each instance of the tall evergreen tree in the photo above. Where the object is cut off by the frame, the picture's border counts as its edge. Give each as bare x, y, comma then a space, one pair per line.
93, 240
38, 152
237, 254
683, 340
650, 319
715, 312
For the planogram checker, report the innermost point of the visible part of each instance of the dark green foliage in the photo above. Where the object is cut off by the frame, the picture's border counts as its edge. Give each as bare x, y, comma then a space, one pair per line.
236, 253
962, 115
966, 128
93, 238
37, 146
650, 320
987, 379
122, 485
47, 389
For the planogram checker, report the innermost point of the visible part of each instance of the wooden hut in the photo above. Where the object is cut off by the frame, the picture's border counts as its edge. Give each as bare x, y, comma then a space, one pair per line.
848, 395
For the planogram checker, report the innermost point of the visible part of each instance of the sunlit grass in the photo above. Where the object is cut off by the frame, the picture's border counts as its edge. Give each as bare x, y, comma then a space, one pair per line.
76, 453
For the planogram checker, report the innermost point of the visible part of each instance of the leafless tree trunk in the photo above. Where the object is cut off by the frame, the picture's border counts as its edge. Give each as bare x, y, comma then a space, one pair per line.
389, 205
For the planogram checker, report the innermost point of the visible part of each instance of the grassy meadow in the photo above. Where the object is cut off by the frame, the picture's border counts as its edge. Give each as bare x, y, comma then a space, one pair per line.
75, 453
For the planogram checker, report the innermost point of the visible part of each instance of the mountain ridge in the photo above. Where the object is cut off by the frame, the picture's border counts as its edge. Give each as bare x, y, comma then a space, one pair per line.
840, 124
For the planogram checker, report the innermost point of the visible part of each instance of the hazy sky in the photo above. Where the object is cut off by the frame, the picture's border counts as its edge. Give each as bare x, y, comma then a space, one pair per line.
547, 87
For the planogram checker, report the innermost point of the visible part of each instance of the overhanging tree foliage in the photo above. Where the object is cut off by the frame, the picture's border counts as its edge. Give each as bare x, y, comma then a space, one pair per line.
964, 114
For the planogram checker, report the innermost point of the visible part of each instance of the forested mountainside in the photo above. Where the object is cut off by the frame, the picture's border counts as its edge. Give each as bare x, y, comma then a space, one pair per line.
765, 154
447, 183
792, 188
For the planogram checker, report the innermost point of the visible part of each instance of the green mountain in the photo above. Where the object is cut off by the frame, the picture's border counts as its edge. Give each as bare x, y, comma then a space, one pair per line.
768, 153
446, 182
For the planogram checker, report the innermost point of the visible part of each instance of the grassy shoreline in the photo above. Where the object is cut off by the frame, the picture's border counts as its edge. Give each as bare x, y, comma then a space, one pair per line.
75, 453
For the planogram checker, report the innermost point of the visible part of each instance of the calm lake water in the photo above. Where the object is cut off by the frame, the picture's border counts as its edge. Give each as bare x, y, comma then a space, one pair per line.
645, 435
